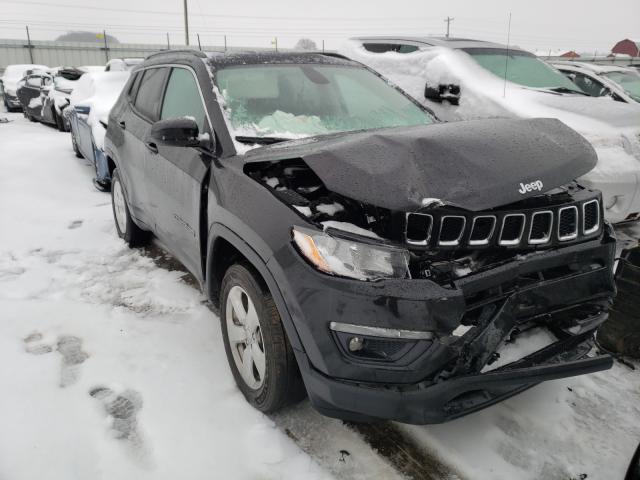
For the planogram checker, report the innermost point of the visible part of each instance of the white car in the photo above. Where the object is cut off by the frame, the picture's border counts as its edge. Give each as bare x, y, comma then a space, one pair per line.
619, 83
9, 83
467, 79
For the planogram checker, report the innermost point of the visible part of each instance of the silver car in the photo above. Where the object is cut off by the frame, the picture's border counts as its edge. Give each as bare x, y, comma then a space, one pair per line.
461, 79
620, 83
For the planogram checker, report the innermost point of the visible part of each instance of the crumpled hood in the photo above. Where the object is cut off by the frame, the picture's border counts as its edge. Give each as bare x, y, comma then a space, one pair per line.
476, 165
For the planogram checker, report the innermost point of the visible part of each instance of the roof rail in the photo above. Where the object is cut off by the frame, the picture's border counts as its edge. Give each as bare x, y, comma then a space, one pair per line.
334, 55
197, 53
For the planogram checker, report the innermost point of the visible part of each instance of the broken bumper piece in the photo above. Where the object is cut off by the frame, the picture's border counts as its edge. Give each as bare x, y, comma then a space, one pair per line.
435, 403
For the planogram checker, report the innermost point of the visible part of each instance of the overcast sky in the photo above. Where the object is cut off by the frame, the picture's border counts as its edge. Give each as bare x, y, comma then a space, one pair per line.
584, 25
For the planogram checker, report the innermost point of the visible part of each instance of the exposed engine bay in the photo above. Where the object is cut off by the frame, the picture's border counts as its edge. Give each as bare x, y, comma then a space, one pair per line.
463, 245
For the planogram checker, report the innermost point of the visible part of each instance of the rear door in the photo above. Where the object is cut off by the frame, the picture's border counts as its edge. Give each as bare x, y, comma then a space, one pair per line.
176, 174
142, 111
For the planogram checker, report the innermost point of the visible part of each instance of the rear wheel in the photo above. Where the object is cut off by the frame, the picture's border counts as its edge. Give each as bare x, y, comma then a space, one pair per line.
258, 351
125, 226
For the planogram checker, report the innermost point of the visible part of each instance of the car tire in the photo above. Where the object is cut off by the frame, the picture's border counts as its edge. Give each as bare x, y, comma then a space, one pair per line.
263, 363
59, 121
74, 144
133, 235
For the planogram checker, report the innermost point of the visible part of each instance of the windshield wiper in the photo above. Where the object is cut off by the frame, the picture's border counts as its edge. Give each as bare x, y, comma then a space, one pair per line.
567, 90
261, 140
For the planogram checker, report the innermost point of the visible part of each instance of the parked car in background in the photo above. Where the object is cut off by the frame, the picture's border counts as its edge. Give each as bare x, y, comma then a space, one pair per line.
468, 79
91, 101
45, 96
620, 83
9, 83
355, 246
122, 64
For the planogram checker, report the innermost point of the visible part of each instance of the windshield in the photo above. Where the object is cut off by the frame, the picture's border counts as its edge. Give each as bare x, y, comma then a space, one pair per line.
628, 81
292, 101
522, 68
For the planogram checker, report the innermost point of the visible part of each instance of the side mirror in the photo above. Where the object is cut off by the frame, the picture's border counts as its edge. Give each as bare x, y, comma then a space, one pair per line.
449, 93
177, 132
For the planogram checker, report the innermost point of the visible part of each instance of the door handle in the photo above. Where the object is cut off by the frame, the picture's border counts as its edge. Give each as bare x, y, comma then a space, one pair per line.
153, 148
121, 124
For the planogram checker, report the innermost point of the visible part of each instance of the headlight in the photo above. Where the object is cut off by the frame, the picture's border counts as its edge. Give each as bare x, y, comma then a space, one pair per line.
350, 258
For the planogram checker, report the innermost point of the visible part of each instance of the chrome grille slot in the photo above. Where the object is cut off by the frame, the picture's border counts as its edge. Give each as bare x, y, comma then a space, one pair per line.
512, 229
590, 217
451, 230
541, 227
567, 223
482, 230
419, 227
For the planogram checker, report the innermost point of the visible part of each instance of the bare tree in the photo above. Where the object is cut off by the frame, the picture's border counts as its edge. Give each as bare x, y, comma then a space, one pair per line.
306, 44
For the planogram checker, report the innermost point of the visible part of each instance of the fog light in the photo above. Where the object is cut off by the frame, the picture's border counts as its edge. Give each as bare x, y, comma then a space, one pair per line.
355, 344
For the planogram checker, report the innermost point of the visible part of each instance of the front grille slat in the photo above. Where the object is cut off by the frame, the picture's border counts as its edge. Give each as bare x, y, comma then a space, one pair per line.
512, 229
568, 223
532, 228
451, 230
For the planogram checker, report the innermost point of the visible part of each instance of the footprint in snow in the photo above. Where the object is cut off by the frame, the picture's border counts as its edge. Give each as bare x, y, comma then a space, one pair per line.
75, 224
69, 346
123, 409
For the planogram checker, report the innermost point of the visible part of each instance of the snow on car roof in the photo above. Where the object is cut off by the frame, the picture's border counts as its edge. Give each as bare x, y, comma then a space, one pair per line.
594, 67
219, 59
450, 42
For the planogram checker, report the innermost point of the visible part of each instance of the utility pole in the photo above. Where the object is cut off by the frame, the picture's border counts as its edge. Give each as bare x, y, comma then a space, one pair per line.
199, 44
186, 23
448, 21
225, 43
168, 45
29, 45
106, 45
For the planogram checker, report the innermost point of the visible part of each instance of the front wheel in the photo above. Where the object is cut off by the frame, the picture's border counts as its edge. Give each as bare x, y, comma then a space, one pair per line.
258, 351
125, 226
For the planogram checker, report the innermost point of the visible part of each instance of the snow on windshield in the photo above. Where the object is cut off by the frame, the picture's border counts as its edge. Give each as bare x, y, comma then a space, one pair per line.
294, 101
99, 92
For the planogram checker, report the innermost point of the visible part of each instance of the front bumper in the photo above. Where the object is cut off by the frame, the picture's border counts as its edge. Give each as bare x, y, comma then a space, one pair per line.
566, 290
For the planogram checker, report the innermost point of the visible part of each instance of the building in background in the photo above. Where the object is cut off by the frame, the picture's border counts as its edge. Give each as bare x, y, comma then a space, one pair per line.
627, 47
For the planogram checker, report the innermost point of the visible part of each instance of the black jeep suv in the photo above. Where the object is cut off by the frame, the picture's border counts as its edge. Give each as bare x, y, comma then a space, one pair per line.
358, 249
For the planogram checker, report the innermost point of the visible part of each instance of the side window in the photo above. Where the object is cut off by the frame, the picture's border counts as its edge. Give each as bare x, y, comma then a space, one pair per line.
590, 85
150, 92
389, 47
182, 98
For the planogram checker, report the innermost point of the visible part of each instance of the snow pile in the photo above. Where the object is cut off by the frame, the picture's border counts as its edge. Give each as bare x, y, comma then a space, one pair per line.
99, 92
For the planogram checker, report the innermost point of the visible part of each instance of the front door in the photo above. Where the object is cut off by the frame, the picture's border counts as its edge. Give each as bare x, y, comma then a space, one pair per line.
176, 174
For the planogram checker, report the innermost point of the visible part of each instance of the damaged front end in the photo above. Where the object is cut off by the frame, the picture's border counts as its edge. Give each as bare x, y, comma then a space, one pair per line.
422, 310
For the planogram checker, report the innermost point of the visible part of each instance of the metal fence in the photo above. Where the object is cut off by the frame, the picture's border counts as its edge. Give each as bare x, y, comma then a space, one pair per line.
78, 54
95, 53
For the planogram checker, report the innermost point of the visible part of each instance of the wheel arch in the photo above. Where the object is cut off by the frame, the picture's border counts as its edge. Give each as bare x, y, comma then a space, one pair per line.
227, 248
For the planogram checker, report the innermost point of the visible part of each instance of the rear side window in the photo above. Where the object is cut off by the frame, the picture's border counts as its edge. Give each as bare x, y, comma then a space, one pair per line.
150, 93
182, 98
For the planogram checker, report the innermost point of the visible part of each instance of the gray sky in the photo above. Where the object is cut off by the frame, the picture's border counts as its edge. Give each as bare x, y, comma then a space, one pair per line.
584, 25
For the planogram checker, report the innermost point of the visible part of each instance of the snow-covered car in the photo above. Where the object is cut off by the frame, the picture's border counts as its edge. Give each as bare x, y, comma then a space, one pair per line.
122, 64
91, 101
356, 247
45, 96
620, 83
9, 83
469, 79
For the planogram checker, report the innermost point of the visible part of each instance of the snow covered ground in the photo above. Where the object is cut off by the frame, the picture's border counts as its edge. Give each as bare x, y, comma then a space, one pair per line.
113, 368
